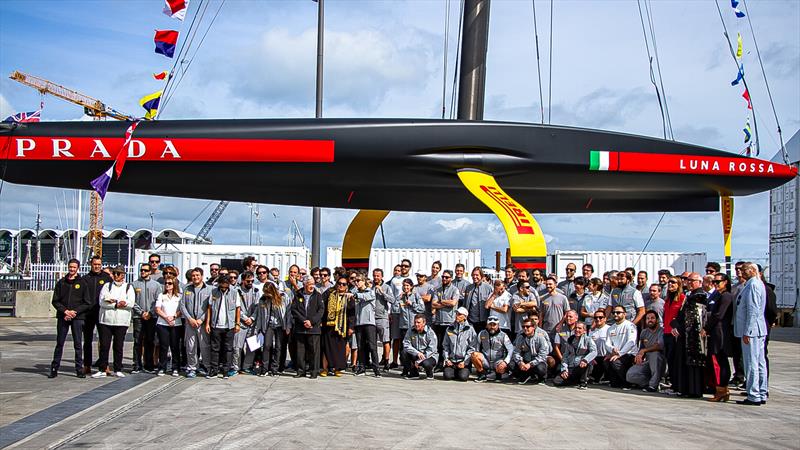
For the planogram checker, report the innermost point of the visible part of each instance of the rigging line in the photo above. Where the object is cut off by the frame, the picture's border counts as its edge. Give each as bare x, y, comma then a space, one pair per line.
456, 65
550, 70
200, 44
650, 239
652, 73
647, 9
198, 214
784, 153
176, 75
444, 56
538, 64
744, 79
172, 72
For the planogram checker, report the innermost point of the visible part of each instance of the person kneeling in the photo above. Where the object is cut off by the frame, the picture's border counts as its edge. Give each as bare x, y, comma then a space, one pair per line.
530, 351
578, 352
493, 354
649, 364
459, 344
419, 349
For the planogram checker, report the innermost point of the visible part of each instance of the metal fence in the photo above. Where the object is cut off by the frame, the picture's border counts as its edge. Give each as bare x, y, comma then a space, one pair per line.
45, 276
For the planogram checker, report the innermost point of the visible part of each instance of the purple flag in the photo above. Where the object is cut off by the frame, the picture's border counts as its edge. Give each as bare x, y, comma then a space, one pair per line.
100, 184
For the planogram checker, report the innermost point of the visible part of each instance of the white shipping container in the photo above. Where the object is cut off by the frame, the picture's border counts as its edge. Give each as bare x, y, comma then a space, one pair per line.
783, 271
783, 210
421, 258
187, 256
651, 262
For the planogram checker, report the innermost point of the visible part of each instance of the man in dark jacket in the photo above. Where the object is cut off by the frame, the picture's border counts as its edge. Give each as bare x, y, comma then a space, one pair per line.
71, 305
93, 283
308, 308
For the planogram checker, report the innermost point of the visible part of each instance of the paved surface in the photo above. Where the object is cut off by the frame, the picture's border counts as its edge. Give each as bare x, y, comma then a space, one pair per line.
143, 411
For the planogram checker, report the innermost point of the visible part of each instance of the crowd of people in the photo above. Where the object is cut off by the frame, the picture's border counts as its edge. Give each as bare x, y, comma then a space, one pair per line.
676, 336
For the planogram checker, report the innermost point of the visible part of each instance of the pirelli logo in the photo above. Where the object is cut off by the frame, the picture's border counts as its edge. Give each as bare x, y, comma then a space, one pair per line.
514, 211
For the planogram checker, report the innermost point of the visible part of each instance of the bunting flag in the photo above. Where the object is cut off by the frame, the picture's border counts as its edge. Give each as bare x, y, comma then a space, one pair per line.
122, 155
747, 132
736, 10
747, 151
739, 76
738, 46
150, 104
176, 8
24, 117
165, 41
161, 75
746, 96
100, 184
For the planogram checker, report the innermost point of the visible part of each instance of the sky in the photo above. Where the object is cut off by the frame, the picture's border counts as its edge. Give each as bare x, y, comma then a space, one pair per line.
387, 59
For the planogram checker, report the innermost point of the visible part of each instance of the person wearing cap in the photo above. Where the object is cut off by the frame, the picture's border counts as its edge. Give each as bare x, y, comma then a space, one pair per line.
530, 351
578, 353
116, 303
223, 316
419, 350
475, 296
459, 344
423, 289
444, 301
493, 353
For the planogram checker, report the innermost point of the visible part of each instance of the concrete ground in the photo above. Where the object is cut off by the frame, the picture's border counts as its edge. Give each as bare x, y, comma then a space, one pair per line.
143, 411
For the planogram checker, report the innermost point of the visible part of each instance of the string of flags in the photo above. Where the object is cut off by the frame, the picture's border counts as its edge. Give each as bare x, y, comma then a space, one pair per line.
740, 78
165, 44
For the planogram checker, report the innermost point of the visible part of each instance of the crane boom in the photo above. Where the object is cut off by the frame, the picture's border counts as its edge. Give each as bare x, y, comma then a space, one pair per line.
202, 236
91, 106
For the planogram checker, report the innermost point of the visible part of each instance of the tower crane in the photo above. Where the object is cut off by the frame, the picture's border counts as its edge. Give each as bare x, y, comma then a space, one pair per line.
91, 107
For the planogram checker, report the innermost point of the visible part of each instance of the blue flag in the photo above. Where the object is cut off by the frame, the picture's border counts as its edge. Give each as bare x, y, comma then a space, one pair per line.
736, 10
739, 76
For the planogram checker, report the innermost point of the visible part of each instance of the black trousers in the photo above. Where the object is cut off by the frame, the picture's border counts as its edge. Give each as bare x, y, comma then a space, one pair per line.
89, 324
107, 333
537, 371
366, 335
144, 332
62, 328
669, 349
617, 370
454, 373
598, 369
736, 356
410, 369
479, 326
168, 341
577, 374
221, 349
307, 351
270, 350
440, 331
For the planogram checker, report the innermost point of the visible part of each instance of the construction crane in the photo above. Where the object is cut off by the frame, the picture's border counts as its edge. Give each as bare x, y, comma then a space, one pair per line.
91, 107
202, 236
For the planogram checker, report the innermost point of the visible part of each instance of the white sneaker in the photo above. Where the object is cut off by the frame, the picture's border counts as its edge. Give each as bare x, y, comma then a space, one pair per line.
119, 374
175, 373
100, 374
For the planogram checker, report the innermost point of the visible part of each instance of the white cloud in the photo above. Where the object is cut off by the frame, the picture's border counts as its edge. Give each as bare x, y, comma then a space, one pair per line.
457, 224
5, 108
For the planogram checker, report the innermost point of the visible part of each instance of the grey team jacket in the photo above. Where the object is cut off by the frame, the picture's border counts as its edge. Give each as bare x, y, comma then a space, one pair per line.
424, 342
533, 349
459, 342
495, 347
195, 301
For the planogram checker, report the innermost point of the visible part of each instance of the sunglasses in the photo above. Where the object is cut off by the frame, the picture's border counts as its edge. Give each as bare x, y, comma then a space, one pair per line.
673, 282
525, 286
619, 312
144, 270
446, 276
404, 265
263, 272
570, 270
324, 275
169, 284
341, 284
719, 281
154, 262
527, 326
599, 317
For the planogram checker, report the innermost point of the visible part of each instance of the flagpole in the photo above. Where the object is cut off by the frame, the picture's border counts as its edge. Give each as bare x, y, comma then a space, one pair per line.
316, 212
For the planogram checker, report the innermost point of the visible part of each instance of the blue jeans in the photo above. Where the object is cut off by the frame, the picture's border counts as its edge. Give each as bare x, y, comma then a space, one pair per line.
755, 368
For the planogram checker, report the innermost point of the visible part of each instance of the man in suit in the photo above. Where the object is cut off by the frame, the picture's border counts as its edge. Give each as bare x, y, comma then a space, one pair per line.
307, 310
750, 326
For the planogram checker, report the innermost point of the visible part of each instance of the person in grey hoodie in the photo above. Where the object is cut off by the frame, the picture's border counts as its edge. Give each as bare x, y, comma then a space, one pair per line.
146, 291
193, 310
494, 352
365, 327
578, 352
384, 298
249, 296
419, 350
444, 301
530, 351
459, 344
223, 316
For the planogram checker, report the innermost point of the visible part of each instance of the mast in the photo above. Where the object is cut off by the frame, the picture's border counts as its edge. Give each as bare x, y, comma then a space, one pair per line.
316, 212
472, 72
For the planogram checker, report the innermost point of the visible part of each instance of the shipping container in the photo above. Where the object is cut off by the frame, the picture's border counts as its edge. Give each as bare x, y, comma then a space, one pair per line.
187, 256
651, 262
421, 258
783, 271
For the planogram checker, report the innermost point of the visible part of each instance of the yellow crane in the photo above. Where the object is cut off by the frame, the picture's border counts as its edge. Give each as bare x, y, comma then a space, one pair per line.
91, 107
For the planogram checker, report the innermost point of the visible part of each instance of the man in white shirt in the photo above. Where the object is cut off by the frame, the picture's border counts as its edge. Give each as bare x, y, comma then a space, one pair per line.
621, 348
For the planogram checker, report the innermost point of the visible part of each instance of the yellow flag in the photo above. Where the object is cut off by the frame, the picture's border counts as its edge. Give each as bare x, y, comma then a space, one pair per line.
738, 46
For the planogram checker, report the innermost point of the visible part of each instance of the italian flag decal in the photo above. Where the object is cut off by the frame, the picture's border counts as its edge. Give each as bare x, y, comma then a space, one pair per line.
687, 164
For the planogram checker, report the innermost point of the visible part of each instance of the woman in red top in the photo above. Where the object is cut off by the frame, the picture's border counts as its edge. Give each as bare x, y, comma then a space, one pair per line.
672, 304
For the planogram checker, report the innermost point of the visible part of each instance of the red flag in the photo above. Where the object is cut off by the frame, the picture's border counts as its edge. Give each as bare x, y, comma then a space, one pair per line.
119, 162
746, 96
165, 41
161, 75
176, 8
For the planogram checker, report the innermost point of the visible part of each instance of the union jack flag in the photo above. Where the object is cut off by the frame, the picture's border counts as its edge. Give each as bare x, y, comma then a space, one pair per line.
23, 117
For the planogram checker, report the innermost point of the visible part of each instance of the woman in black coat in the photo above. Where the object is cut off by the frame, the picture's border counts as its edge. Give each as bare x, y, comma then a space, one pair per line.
717, 328
689, 357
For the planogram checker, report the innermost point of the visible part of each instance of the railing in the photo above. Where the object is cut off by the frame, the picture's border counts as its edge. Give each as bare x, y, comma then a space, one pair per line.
44, 276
